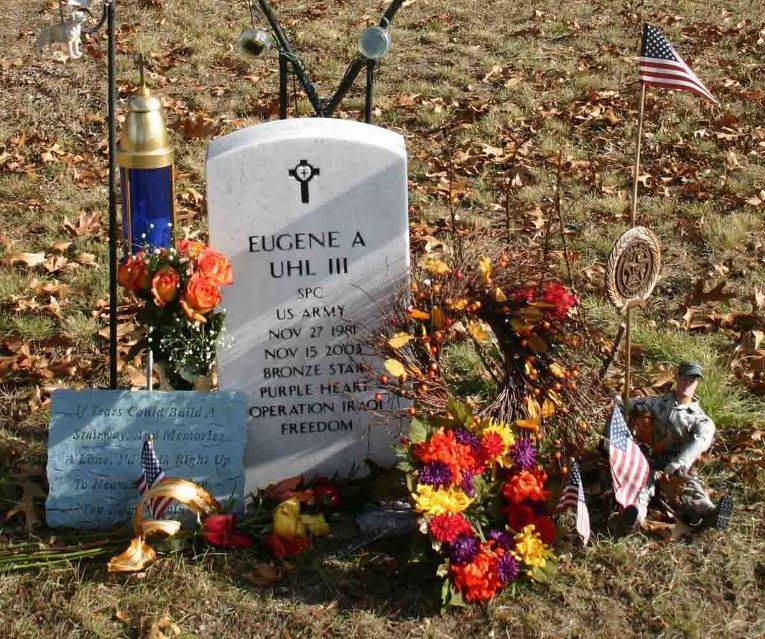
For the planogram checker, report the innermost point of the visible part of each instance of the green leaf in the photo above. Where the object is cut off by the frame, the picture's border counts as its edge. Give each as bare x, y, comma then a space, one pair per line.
405, 465
455, 598
460, 412
445, 594
418, 430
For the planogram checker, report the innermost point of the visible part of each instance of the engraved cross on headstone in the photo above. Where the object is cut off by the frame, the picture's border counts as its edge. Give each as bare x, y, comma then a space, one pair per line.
304, 173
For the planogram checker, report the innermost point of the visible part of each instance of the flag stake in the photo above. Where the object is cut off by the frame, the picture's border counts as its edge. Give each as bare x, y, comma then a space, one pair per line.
637, 155
633, 211
627, 358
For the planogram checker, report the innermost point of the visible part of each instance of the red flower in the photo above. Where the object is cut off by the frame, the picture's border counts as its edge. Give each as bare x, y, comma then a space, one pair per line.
326, 493
521, 515
545, 527
220, 530
560, 297
190, 248
478, 580
524, 294
442, 446
446, 527
526, 485
284, 546
133, 274
492, 447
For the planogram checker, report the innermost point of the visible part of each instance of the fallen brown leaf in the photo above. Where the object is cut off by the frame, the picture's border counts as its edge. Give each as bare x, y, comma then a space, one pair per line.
28, 259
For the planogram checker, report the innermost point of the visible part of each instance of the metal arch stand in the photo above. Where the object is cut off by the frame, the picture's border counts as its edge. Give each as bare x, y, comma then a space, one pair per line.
288, 57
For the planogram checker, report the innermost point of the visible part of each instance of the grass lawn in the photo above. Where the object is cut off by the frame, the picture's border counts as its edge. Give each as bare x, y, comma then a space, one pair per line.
495, 94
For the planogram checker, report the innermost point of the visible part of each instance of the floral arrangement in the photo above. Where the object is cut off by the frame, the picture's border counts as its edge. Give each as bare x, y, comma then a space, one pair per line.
180, 288
523, 324
285, 516
481, 497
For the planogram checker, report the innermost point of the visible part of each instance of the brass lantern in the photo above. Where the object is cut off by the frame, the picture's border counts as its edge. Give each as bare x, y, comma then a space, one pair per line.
147, 174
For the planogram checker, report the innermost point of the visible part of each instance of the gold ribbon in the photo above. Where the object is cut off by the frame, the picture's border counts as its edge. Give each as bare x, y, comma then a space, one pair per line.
139, 553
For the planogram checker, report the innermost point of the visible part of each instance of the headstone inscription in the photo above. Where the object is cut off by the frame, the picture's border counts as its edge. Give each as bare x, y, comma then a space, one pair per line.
313, 215
95, 441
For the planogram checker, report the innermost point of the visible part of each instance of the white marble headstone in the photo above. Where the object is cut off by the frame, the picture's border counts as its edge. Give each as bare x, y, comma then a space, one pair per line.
313, 215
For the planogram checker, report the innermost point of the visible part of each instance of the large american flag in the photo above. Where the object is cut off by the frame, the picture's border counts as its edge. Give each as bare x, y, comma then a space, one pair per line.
661, 66
152, 474
629, 468
573, 496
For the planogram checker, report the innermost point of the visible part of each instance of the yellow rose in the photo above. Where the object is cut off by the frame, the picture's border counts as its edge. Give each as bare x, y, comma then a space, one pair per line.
316, 524
286, 519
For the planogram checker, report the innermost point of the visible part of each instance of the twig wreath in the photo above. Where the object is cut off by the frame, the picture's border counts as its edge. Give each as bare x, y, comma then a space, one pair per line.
523, 324
477, 472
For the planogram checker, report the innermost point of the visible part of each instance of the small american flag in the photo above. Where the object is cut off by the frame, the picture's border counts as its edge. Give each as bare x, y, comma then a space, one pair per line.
661, 66
152, 474
629, 468
573, 495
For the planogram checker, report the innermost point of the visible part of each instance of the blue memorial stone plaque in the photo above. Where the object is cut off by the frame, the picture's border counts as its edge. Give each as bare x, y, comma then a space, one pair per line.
95, 441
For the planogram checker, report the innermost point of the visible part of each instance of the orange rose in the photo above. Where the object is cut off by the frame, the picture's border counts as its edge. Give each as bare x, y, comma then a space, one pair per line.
133, 274
200, 297
190, 248
164, 285
215, 267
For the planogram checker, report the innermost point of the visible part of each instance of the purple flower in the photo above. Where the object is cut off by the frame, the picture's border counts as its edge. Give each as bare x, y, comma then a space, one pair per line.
524, 454
464, 436
503, 539
463, 549
467, 484
435, 473
507, 568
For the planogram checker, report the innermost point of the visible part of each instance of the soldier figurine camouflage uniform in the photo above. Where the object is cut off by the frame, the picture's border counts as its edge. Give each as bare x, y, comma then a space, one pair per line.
676, 431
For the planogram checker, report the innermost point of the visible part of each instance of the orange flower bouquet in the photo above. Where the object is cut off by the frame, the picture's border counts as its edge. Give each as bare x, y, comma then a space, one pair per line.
180, 287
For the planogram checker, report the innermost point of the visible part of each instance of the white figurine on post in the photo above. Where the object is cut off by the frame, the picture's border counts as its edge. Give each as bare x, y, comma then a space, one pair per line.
67, 32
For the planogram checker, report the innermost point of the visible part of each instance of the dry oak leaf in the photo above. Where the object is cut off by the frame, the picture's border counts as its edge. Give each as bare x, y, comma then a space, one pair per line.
25, 504
419, 315
86, 223
477, 330
400, 339
759, 297
28, 259
264, 574
715, 294
484, 264
55, 263
162, 628
439, 319
436, 267
395, 368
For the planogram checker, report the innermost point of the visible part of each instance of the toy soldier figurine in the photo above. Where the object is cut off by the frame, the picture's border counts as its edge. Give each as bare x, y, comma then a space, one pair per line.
676, 431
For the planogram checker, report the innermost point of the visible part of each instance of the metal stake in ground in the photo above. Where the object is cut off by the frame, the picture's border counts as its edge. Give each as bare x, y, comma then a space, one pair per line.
108, 18
632, 271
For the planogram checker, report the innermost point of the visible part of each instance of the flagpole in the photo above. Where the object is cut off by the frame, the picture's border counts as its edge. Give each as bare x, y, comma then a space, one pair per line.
637, 156
633, 211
